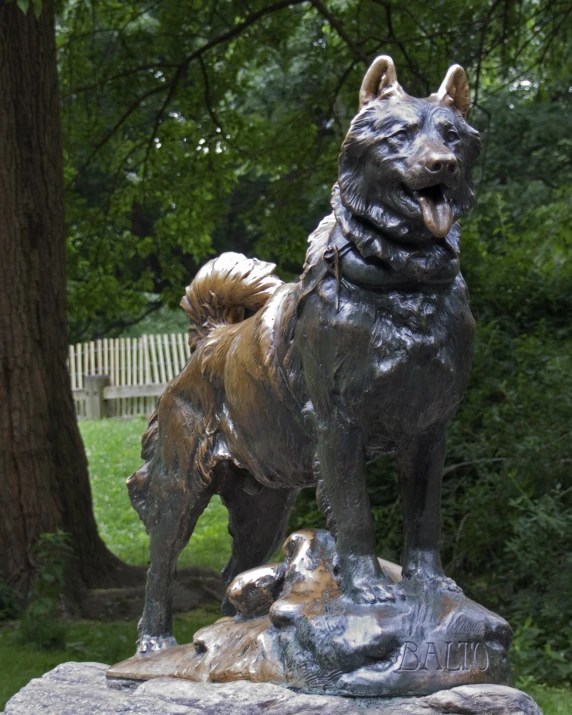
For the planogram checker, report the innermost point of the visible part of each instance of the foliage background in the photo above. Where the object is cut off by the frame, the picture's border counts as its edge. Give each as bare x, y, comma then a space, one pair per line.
194, 127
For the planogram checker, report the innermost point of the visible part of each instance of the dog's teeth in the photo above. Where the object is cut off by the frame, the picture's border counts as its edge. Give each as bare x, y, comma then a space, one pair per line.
437, 214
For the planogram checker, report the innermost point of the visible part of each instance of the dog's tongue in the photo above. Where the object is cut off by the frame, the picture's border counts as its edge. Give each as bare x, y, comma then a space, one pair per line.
437, 214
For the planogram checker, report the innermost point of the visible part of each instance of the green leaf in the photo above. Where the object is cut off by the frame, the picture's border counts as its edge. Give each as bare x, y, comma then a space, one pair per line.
37, 8
23, 5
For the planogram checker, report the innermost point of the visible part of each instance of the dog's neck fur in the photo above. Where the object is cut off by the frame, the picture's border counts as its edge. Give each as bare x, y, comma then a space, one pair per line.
434, 261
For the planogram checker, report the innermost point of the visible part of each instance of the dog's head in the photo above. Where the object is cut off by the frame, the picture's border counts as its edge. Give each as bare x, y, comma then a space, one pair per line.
405, 165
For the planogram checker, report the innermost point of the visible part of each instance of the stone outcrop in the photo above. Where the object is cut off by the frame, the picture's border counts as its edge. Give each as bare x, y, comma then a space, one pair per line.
82, 689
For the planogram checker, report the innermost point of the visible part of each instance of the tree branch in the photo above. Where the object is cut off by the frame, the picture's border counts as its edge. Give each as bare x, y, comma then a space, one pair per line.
454, 467
208, 102
120, 324
181, 69
119, 75
389, 19
339, 28
486, 21
118, 124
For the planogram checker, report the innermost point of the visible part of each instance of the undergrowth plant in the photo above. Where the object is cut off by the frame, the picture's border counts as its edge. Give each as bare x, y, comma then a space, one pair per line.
42, 624
10, 605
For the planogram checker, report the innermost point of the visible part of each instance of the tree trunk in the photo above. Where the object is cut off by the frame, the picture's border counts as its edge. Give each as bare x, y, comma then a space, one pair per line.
44, 482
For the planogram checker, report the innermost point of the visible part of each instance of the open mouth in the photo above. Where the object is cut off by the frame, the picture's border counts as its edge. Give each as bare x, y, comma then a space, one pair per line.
436, 211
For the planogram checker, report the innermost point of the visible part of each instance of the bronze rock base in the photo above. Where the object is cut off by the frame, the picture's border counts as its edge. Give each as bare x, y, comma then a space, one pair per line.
295, 628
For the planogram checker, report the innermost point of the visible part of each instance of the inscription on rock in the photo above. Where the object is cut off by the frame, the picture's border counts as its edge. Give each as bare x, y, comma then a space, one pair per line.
448, 656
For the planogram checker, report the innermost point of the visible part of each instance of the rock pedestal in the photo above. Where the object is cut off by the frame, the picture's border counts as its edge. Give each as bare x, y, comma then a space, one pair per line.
294, 627
82, 689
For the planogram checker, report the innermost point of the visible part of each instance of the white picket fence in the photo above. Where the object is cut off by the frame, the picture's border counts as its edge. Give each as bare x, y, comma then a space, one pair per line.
122, 377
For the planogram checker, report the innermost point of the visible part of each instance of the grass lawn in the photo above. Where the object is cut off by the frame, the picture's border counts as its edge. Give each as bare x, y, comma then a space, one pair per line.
113, 448
552, 701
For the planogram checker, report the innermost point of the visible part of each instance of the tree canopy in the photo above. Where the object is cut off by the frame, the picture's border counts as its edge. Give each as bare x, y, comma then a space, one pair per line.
191, 127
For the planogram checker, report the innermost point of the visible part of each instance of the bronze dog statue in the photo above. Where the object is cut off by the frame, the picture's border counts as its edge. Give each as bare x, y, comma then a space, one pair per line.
297, 385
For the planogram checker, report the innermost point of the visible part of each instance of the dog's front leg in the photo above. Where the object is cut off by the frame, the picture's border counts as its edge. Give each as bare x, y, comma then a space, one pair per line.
420, 469
341, 457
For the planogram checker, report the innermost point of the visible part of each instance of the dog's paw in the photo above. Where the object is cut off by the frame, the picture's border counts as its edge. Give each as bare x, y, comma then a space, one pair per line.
368, 592
397, 590
362, 581
445, 583
149, 645
431, 580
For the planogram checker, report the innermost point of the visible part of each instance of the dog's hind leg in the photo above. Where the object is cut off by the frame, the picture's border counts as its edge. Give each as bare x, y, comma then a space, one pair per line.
176, 509
257, 522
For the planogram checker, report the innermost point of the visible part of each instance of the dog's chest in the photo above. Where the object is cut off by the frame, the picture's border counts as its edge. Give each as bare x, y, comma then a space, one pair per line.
397, 361
411, 329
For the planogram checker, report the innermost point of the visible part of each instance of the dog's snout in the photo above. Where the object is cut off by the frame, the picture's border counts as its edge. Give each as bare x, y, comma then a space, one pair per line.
438, 162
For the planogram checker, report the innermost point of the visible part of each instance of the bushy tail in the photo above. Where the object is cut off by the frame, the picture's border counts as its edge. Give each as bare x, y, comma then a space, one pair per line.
224, 290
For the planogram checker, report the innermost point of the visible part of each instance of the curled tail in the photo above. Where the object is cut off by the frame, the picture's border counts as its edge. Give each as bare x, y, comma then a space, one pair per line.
224, 291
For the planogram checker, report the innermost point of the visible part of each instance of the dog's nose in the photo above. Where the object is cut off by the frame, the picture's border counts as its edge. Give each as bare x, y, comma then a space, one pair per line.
438, 162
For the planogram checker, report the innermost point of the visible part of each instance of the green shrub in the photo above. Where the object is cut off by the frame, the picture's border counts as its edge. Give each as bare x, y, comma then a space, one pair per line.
42, 624
10, 605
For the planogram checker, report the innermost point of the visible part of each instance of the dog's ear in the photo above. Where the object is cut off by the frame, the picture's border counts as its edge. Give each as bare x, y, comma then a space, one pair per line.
380, 81
454, 90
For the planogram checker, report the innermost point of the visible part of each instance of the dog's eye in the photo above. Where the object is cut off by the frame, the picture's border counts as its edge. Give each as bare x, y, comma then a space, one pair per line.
451, 135
401, 135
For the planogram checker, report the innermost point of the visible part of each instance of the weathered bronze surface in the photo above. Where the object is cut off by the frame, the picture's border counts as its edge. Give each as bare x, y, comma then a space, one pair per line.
311, 637
295, 385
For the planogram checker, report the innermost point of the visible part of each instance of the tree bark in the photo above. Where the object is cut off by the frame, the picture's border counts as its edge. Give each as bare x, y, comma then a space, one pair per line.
44, 482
